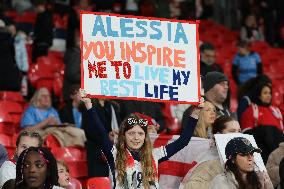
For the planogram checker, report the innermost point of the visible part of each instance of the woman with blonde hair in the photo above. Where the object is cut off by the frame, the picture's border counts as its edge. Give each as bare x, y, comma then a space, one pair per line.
206, 119
132, 161
40, 114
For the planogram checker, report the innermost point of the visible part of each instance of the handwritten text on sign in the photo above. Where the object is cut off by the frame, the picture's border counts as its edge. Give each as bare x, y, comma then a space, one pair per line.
139, 58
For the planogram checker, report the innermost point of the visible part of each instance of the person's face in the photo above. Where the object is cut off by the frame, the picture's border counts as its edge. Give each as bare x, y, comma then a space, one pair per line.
208, 56
135, 137
221, 91
265, 95
232, 127
209, 113
44, 99
245, 162
76, 97
26, 142
243, 51
63, 174
35, 170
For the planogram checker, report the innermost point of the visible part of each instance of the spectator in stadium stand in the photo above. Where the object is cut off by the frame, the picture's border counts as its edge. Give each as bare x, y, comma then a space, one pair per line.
40, 114
43, 30
207, 59
25, 140
10, 79
216, 89
72, 72
207, 117
132, 161
108, 113
240, 171
263, 120
281, 173
63, 174
72, 110
3, 155
245, 92
250, 31
37, 169
274, 163
208, 163
246, 64
73, 24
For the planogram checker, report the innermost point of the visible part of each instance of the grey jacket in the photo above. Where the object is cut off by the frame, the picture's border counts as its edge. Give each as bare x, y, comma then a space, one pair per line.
227, 180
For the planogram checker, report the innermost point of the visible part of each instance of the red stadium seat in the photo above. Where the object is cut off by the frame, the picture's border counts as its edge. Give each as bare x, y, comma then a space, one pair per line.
67, 154
51, 142
12, 96
5, 140
14, 109
74, 184
6, 122
98, 183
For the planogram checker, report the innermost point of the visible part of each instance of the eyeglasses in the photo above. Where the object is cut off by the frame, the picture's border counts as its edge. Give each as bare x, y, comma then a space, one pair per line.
29, 133
133, 121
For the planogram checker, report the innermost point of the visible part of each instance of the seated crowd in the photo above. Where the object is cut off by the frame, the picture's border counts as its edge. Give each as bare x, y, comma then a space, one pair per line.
118, 134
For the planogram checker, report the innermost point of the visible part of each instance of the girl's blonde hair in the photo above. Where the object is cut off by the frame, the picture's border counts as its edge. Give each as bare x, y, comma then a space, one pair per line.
35, 99
201, 129
148, 171
61, 162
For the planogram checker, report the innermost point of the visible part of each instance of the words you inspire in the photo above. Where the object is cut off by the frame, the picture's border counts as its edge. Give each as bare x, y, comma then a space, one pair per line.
127, 58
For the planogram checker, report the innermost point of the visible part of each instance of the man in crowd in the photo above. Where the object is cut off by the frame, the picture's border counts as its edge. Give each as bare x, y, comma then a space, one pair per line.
216, 88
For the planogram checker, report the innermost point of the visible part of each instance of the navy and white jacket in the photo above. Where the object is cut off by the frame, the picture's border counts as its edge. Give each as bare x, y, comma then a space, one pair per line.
160, 154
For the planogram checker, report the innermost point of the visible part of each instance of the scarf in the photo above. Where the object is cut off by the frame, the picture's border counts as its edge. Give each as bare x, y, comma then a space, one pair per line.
130, 181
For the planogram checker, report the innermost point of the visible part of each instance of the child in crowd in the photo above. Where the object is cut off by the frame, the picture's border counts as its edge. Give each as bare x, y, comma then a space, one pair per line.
63, 174
246, 64
132, 161
36, 169
25, 140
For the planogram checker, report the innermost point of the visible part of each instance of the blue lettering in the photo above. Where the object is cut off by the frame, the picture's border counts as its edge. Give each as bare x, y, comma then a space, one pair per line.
176, 77
104, 85
140, 25
125, 29
186, 76
110, 32
99, 27
147, 94
172, 93
169, 25
163, 75
137, 72
113, 88
158, 34
122, 83
180, 34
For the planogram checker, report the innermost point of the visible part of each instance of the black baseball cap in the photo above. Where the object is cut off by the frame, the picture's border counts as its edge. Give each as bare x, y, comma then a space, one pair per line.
239, 145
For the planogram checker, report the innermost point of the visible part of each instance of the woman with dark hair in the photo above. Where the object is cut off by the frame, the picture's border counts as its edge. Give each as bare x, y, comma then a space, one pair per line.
240, 172
263, 121
245, 92
36, 169
261, 112
209, 162
132, 161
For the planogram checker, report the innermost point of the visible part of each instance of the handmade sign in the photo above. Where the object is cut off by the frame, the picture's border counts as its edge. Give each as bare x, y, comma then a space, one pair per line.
139, 58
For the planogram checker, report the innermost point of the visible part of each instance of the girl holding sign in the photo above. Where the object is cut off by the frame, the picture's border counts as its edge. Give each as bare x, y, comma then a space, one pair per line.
132, 161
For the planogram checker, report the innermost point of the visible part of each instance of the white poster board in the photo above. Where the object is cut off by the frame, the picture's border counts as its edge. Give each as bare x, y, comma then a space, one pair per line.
139, 58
